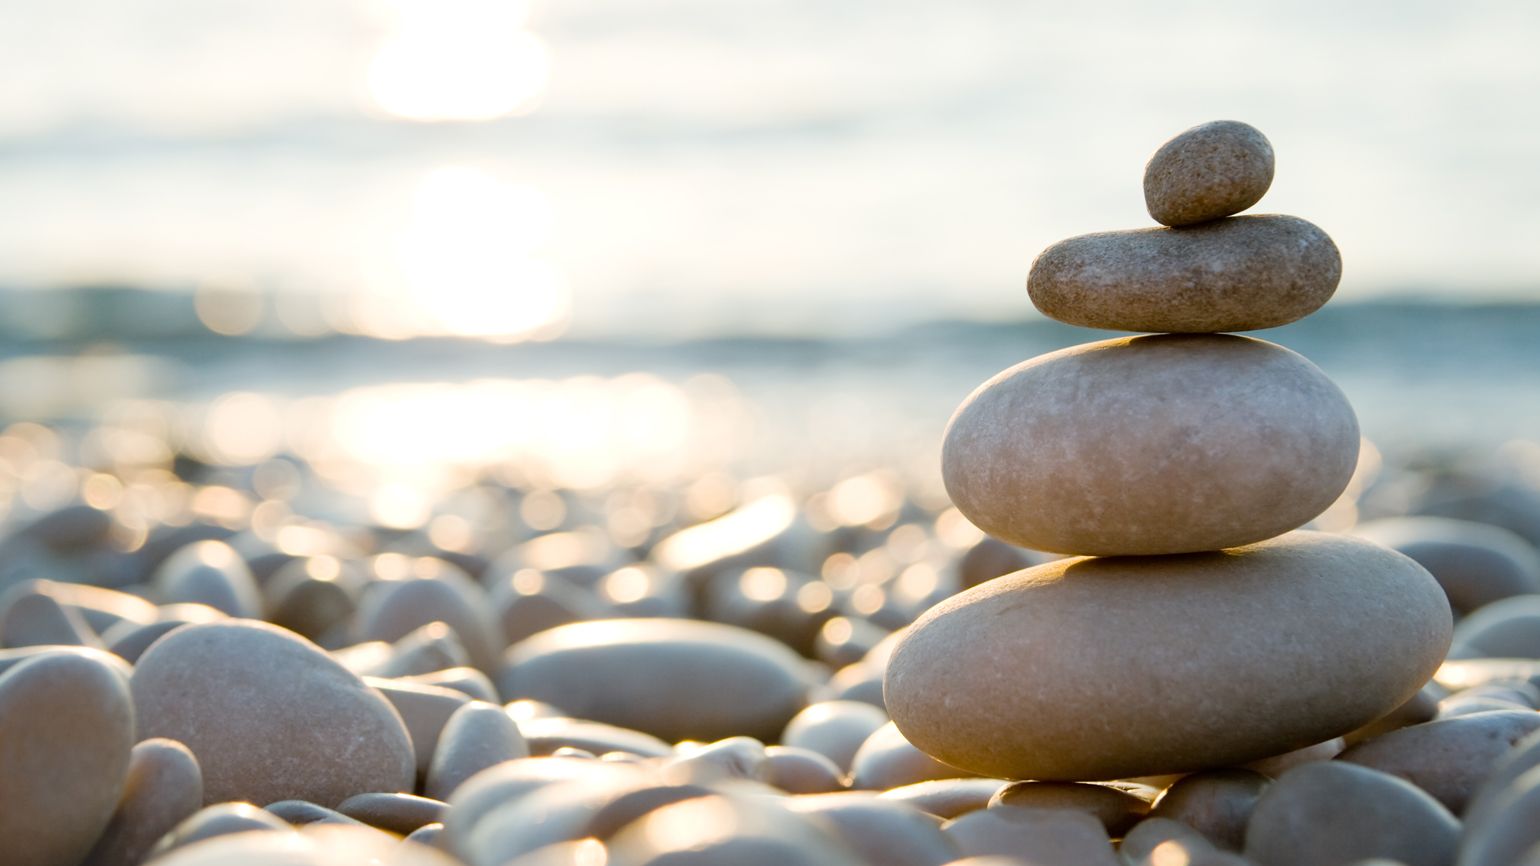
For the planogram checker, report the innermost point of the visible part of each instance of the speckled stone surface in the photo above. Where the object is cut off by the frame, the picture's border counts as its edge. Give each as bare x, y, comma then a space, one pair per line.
1236, 274
270, 716
1210, 171
1149, 445
1113, 668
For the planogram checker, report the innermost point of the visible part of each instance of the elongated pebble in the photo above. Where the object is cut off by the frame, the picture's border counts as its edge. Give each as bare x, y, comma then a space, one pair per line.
163, 788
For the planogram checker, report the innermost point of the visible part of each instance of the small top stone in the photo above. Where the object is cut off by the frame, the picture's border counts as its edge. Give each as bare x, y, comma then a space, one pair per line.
1210, 171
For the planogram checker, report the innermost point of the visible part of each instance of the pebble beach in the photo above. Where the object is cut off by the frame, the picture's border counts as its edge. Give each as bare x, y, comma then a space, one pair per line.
1155, 601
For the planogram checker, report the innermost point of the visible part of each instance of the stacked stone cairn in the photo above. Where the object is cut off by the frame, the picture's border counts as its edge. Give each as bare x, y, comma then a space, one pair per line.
1196, 627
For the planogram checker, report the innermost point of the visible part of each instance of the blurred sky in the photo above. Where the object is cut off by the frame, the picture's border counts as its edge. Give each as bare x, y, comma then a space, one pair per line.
698, 166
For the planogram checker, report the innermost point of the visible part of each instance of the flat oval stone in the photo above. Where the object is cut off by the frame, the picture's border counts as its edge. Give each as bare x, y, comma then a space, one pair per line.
1216, 803
1151, 445
399, 813
1214, 659
1116, 809
801, 771
947, 798
546, 734
1448, 758
1236, 274
1334, 812
66, 731
881, 831
164, 787
1475, 562
1046, 837
674, 679
270, 716
1207, 172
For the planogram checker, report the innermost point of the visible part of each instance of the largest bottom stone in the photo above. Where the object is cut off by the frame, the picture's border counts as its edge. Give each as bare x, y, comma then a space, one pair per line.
1105, 668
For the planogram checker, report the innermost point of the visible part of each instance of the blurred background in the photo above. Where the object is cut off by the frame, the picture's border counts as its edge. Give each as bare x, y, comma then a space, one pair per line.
649, 240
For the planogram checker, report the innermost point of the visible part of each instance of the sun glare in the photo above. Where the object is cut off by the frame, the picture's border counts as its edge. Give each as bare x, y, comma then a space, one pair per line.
468, 260
458, 60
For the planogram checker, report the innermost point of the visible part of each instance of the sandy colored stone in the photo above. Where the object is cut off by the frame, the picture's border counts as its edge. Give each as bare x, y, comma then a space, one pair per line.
947, 798
1476, 563
424, 710
888, 760
1331, 812
164, 787
1039, 837
270, 716
1151, 445
211, 573
801, 771
398, 813
1448, 758
1210, 171
1237, 274
1215, 659
1116, 809
479, 735
834, 729
881, 831
66, 731
674, 679
1216, 803
390, 610
762, 834
314, 845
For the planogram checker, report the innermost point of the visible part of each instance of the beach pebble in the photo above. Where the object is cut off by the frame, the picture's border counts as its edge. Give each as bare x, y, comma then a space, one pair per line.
129, 640
1476, 564
888, 760
674, 679
1202, 650
527, 602
547, 734
1039, 837
1141, 841
1507, 628
302, 813
834, 729
1419, 708
991, 557
211, 573
1332, 812
1237, 274
508, 784
1216, 803
314, 595
1151, 445
315, 845
1448, 758
433, 647
101, 607
219, 819
706, 763
947, 798
479, 735
398, 813
1117, 810
1210, 171
66, 731
739, 831
1503, 822
36, 619
164, 787
392, 609
270, 716
801, 771
1276, 765
424, 710
881, 831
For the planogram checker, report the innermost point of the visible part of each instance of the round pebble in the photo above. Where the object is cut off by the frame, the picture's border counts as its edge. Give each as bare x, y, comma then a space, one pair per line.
888, 760
211, 573
66, 731
881, 831
1507, 628
1332, 812
1151, 445
1476, 563
1039, 837
1448, 758
164, 787
1237, 274
479, 735
1210, 171
270, 716
834, 729
674, 679
1216, 803
1203, 651
947, 798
